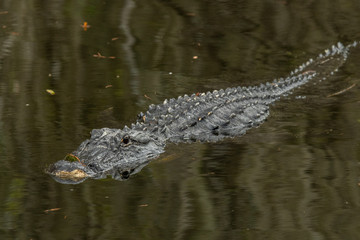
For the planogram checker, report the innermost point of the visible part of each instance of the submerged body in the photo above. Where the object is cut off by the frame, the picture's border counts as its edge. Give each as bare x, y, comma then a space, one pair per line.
208, 116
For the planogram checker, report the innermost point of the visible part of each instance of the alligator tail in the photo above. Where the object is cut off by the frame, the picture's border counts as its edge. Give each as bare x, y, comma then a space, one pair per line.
214, 115
318, 69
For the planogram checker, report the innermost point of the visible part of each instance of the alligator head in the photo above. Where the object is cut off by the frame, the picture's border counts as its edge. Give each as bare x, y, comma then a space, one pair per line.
109, 152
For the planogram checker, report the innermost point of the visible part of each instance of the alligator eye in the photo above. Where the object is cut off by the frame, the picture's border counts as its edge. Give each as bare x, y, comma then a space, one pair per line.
91, 165
125, 174
125, 140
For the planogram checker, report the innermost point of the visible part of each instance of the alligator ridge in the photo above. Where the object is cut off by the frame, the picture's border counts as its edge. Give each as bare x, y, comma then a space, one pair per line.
205, 117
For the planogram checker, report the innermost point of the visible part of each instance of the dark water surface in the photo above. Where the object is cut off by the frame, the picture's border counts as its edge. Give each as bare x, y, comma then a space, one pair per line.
295, 177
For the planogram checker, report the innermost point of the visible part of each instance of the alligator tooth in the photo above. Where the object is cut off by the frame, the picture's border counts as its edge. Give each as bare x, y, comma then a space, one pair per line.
165, 101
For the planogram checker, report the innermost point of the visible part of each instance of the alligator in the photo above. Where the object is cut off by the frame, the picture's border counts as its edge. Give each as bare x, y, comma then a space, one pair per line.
204, 117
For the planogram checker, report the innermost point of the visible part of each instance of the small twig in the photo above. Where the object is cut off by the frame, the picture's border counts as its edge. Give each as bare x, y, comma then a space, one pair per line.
52, 210
342, 91
147, 97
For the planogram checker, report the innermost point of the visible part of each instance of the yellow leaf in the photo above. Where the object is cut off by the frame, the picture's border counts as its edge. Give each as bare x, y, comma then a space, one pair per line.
51, 92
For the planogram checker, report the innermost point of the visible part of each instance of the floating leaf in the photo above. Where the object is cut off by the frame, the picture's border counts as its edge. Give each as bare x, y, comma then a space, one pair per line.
85, 26
51, 92
52, 210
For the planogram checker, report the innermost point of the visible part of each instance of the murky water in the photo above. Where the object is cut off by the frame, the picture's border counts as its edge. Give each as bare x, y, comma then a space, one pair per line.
295, 177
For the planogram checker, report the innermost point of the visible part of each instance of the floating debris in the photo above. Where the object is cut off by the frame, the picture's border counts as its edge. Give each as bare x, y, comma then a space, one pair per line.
52, 210
85, 26
342, 91
51, 92
98, 55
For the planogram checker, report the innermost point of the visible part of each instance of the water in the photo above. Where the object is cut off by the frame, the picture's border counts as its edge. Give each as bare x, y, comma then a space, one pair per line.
297, 176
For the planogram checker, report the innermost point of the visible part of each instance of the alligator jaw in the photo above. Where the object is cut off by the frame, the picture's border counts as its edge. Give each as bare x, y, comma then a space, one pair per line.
74, 174
68, 172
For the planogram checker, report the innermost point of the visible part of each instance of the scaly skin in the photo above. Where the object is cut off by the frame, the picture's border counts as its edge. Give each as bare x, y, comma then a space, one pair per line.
208, 117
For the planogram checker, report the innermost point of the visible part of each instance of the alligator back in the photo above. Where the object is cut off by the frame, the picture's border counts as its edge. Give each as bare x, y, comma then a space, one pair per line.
201, 117
214, 115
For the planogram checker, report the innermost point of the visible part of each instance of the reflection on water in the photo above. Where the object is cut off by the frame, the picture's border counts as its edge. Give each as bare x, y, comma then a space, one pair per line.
295, 177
